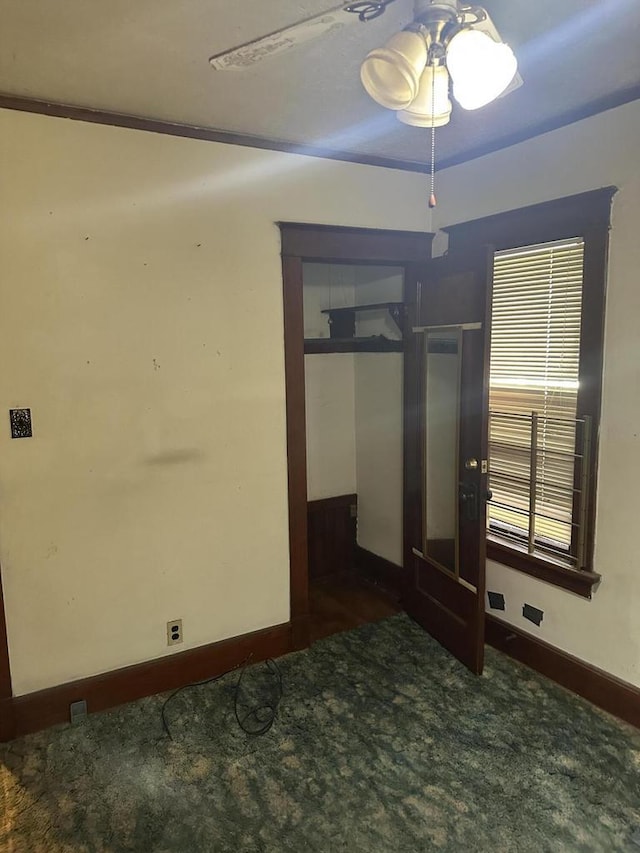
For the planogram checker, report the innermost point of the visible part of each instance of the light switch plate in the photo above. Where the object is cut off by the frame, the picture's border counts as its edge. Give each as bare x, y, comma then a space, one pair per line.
20, 423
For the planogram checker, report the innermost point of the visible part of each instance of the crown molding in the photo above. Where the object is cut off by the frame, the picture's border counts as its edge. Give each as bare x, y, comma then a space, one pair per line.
588, 110
189, 131
132, 122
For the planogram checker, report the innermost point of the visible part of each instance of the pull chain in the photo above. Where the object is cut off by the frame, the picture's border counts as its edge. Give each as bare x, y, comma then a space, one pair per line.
432, 197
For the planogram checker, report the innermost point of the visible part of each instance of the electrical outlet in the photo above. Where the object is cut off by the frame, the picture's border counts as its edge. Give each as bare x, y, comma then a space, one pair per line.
496, 600
532, 614
174, 632
78, 711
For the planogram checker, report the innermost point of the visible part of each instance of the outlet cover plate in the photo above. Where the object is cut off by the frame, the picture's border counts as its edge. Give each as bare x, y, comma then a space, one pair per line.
532, 614
496, 600
174, 632
78, 711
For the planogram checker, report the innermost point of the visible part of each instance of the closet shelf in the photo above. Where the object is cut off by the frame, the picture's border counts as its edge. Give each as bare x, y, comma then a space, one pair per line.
344, 318
376, 343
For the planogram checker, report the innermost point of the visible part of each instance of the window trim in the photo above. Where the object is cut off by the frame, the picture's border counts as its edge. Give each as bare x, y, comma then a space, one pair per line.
586, 215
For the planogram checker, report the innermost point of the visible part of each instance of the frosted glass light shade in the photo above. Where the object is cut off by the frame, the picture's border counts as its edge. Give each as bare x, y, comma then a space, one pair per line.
481, 68
391, 74
419, 112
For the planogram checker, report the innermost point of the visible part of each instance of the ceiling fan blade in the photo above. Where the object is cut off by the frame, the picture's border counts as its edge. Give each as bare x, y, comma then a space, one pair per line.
280, 40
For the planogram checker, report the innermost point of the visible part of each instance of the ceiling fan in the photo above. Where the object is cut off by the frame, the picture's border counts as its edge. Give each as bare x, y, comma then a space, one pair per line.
448, 44
445, 39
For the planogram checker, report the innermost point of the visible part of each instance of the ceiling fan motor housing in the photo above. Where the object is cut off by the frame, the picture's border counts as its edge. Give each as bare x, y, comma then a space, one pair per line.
438, 21
426, 7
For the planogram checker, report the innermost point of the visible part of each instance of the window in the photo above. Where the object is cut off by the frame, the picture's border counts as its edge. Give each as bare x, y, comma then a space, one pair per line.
545, 384
536, 436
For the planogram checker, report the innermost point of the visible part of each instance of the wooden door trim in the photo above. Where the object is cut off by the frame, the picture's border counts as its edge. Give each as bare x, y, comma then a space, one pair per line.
5, 669
6, 691
302, 242
341, 244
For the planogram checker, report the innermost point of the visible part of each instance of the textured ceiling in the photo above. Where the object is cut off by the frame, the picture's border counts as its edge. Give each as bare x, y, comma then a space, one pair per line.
149, 58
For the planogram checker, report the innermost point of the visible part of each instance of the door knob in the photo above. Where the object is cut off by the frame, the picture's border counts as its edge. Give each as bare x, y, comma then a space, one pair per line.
471, 464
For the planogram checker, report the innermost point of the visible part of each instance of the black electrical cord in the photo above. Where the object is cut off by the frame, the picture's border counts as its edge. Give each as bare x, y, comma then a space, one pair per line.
263, 725
163, 713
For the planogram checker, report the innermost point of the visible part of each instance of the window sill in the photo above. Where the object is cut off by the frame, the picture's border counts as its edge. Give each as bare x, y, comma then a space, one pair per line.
578, 582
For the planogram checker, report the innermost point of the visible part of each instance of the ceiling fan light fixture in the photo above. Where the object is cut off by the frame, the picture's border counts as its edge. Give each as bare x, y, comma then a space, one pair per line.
480, 68
431, 107
391, 74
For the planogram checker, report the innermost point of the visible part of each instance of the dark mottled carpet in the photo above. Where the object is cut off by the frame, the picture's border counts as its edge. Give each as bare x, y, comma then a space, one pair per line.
383, 743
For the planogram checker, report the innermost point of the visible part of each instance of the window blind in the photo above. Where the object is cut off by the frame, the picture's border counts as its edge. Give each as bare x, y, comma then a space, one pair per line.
535, 351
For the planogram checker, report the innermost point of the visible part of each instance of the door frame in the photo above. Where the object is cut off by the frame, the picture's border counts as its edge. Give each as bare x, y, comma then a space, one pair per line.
6, 690
300, 243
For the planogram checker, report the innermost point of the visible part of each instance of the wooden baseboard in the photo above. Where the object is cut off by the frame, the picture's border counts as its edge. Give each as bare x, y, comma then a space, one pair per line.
300, 633
604, 690
7, 722
380, 572
36, 711
613, 695
45, 708
335, 502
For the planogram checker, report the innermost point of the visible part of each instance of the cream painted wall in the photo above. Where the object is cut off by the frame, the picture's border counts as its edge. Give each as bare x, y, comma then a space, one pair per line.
329, 386
378, 408
376, 284
331, 425
325, 286
378, 384
142, 323
597, 152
